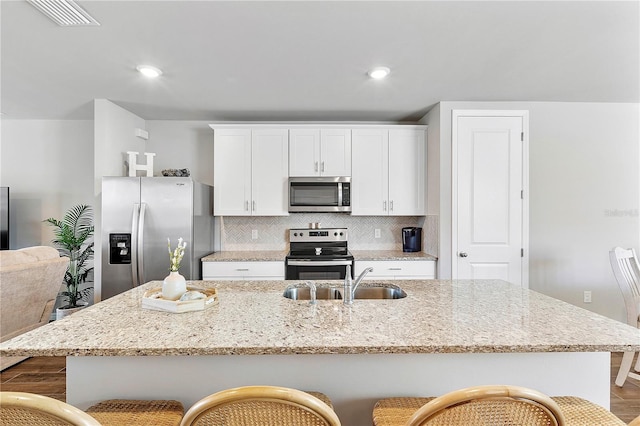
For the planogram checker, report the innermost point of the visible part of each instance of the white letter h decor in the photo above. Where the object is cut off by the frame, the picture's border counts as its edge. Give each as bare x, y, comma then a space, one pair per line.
134, 167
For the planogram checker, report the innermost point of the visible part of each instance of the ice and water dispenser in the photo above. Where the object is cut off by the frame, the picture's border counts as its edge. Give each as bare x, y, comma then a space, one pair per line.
119, 249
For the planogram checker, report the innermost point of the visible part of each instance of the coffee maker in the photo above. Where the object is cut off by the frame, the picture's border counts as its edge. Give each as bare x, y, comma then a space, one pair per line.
411, 239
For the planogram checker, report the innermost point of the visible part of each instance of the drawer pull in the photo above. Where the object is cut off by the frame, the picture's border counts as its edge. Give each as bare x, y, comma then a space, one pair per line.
242, 269
395, 269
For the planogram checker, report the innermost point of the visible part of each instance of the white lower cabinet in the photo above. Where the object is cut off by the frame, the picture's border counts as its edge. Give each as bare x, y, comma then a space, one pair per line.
397, 269
260, 270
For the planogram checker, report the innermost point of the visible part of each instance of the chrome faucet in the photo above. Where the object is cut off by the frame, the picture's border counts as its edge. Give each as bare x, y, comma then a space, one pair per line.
312, 292
351, 286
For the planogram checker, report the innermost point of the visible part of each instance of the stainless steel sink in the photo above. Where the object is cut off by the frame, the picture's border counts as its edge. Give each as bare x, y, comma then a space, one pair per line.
304, 293
364, 291
386, 292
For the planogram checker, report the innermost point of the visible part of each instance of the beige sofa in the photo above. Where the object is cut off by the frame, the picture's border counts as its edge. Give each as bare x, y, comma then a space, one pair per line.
30, 279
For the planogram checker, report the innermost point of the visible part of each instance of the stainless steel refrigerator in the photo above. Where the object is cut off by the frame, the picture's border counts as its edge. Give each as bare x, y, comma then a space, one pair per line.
138, 215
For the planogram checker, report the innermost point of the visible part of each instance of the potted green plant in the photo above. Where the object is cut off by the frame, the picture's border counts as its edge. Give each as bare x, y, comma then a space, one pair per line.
72, 239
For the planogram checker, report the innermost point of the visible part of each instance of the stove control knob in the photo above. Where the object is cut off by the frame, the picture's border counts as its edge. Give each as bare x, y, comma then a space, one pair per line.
341, 234
301, 234
335, 234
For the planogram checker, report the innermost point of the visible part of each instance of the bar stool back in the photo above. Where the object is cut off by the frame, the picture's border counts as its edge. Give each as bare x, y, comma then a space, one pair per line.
28, 409
261, 405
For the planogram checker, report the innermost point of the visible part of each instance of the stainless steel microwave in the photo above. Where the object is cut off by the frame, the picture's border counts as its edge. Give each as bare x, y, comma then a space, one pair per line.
319, 194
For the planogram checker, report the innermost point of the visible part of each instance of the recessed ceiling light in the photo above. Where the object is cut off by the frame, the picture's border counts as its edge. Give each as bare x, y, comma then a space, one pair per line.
379, 72
149, 71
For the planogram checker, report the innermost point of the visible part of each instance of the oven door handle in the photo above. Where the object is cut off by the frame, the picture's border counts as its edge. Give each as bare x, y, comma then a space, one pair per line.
319, 262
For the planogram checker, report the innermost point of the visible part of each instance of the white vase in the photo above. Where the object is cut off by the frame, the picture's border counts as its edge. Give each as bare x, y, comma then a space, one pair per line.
174, 286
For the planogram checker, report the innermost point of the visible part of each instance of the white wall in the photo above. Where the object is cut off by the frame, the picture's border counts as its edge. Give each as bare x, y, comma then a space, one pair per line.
182, 145
114, 135
584, 195
48, 165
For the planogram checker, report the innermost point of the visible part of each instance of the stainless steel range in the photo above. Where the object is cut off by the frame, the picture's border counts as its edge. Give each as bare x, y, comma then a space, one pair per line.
318, 254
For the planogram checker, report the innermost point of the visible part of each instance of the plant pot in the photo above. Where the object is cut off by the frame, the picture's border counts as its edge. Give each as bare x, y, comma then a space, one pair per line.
174, 286
63, 312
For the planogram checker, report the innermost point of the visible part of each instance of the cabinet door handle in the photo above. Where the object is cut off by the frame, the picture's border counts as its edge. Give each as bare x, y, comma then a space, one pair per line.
322, 167
315, 166
246, 205
253, 205
391, 205
384, 206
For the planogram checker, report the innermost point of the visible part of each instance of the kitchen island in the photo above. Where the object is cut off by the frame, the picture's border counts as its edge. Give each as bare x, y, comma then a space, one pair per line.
444, 335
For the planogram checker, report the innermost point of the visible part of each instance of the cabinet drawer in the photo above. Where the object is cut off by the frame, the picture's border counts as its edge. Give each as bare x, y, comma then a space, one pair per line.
398, 269
230, 270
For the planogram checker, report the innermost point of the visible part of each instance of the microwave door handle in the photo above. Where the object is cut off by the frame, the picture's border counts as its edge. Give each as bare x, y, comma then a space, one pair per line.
339, 194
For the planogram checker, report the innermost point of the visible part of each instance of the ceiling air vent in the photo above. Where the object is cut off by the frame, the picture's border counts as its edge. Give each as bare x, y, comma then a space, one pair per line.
65, 13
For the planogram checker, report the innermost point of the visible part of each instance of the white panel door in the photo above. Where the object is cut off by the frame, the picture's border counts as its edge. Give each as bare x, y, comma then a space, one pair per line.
232, 172
335, 152
407, 164
370, 172
270, 171
489, 201
304, 152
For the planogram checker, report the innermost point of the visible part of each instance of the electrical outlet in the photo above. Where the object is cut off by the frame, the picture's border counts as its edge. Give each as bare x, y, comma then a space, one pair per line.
376, 233
254, 234
587, 296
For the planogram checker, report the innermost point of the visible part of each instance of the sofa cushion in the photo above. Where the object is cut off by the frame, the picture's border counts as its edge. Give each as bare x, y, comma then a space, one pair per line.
27, 255
30, 280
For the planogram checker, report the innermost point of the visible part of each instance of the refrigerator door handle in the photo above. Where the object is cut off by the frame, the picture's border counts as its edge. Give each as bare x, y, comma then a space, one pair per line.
134, 244
143, 209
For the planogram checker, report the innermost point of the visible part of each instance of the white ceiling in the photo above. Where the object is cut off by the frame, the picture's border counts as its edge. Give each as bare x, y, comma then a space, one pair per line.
303, 60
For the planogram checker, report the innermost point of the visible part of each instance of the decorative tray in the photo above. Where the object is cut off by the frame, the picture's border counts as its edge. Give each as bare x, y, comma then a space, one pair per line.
152, 299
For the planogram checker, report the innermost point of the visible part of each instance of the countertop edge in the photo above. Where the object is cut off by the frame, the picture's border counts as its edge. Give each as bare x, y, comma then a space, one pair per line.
319, 351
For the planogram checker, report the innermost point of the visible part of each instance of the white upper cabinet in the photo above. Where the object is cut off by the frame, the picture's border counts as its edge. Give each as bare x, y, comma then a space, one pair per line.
388, 174
370, 172
407, 165
231, 172
250, 172
270, 172
319, 152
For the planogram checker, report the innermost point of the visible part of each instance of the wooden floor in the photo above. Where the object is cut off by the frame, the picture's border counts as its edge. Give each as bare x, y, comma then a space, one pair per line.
47, 376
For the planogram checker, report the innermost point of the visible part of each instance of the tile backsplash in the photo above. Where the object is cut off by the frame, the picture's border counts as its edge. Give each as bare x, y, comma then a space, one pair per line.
236, 232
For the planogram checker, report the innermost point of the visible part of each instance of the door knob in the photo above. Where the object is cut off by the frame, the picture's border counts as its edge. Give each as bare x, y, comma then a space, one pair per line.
463, 254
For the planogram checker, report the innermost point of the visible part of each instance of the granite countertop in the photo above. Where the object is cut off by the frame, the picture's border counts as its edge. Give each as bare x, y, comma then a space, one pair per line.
246, 256
252, 317
277, 255
390, 255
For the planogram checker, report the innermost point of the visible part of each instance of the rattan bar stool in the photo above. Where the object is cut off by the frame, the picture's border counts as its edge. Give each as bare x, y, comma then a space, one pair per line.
262, 405
575, 412
580, 412
478, 405
28, 409
120, 412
